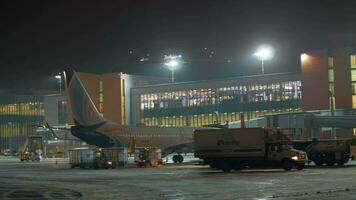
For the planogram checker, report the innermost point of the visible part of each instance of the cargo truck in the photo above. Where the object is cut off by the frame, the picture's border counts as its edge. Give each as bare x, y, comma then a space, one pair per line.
228, 149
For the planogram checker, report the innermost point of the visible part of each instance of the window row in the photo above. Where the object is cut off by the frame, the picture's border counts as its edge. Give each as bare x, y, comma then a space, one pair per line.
32, 108
241, 94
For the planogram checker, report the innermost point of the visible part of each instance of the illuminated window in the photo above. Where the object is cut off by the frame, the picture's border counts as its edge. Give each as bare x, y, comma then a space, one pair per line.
353, 101
101, 97
331, 75
330, 62
353, 61
353, 75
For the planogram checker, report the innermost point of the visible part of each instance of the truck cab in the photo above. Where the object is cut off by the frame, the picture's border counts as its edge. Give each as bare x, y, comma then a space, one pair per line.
285, 153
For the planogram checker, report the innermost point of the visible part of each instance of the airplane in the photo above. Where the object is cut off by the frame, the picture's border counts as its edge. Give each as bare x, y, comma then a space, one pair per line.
91, 127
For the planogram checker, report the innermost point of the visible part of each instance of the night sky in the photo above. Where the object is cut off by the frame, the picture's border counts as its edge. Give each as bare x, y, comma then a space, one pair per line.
216, 38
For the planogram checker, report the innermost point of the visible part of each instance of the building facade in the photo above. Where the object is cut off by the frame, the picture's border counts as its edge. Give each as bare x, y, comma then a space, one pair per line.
18, 116
329, 79
205, 102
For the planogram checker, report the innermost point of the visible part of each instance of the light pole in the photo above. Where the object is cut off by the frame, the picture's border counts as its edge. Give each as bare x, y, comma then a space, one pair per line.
172, 62
264, 53
59, 78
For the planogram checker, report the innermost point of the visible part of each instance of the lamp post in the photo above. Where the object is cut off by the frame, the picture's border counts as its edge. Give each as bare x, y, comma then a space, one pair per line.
59, 78
172, 62
263, 54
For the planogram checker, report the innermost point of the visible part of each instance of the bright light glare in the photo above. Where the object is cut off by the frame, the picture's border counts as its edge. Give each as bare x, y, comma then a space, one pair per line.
58, 77
264, 53
172, 63
304, 57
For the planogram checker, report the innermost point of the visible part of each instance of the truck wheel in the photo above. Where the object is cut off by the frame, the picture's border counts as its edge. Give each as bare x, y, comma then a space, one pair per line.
300, 167
175, 158
72, 166
287, 165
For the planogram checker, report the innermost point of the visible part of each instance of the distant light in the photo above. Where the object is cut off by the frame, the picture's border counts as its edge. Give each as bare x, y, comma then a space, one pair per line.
58, 77
264, 53
303, 56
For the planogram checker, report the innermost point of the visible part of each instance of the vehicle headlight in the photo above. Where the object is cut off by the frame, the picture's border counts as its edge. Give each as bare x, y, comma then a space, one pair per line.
295, 158
110, 163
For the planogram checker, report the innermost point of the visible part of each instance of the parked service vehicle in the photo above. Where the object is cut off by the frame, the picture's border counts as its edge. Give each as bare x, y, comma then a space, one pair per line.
228, 149
148, 157
97, 158
329, 152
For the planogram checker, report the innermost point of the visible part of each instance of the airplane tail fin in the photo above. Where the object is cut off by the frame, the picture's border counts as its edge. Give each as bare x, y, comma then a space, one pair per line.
83, 109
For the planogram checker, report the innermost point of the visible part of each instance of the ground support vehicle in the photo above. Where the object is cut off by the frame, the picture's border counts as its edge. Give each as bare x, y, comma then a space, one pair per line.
32, 149
328, 152
228, 149
97, 158
117, 156
148, 157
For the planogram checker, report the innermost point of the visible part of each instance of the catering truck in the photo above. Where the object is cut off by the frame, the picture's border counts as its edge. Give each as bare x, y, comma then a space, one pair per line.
228, 149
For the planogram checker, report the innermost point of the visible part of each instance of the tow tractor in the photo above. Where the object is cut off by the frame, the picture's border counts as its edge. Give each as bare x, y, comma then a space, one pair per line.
148, 157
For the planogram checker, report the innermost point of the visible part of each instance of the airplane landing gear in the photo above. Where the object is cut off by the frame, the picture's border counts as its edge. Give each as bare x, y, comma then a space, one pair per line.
178, 158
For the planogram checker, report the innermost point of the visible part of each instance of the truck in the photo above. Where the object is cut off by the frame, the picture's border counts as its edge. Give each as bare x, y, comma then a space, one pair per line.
233, 149
328, 151
97, 158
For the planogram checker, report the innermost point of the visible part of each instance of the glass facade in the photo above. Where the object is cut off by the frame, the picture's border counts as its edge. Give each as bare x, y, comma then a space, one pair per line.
197, 107
18, 117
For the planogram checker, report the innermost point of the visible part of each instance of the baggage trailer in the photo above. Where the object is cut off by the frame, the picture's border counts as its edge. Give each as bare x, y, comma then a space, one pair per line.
228, 149
97, 158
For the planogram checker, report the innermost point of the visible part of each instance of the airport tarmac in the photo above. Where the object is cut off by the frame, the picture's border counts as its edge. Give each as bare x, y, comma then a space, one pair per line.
48, 180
